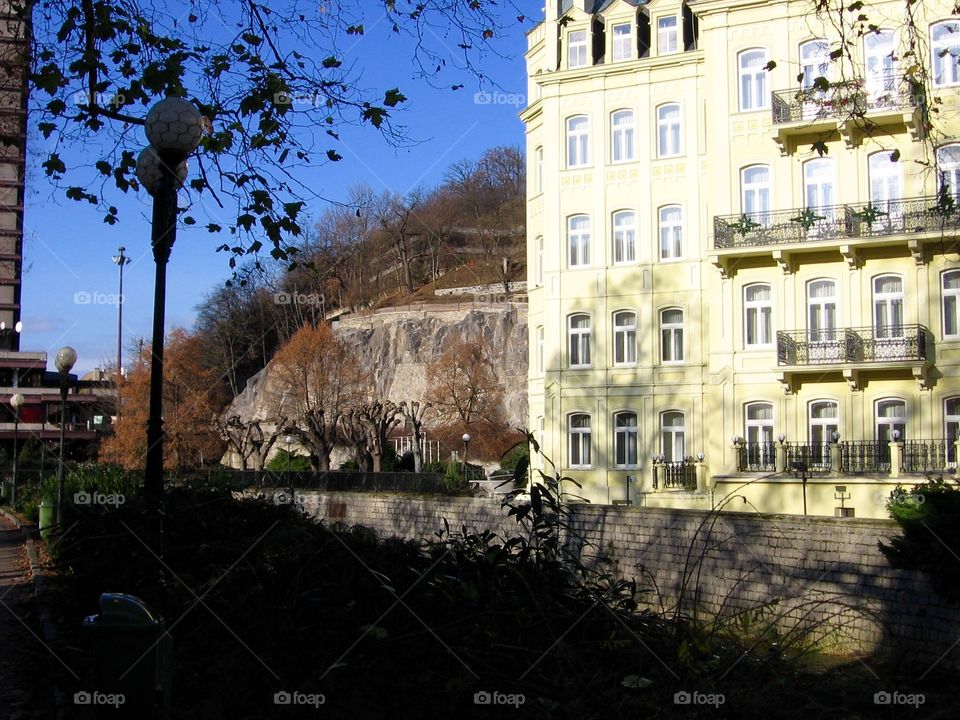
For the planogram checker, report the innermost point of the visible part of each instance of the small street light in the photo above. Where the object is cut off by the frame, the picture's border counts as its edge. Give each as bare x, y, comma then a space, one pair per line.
174, 128
288, 440
466, 446
16, 401
121, 260
66, 357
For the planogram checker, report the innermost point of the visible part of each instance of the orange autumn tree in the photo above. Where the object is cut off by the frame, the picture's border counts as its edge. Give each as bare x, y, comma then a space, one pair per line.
318, 379
192, 394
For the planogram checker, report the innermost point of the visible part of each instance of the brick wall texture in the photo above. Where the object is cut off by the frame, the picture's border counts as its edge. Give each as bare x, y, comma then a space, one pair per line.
823, 577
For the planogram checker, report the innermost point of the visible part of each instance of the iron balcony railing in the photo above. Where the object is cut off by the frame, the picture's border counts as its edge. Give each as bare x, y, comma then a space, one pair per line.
844, 99
922, 456
835, 346
757, 457
865, 457
681, 474
814, 456
933, 213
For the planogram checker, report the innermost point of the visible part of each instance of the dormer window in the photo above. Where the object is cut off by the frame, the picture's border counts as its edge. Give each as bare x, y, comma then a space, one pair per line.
622, 42
577, 49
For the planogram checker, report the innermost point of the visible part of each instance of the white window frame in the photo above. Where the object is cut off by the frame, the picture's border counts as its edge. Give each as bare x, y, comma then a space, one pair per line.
668, 35
579, 342
886, 189
626, 439
669, 131
814, 61
757, 318
622, 44
945, 53
759, 431
539, 259
951, 427
540, 343
622, 136
888, 305
885, 424
670, 232
880, 65
578, 141
577, 48
826, 310
579, 441
673, 438
671, 338
624, 237
538, 170
578, 241
753, 80
820, 429
625, 338
755, 195
950, 304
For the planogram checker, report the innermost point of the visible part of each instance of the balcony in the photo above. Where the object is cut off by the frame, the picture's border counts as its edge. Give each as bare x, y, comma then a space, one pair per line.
848, 107
851, 352
848, 229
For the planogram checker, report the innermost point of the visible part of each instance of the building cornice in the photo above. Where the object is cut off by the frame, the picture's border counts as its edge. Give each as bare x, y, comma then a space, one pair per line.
690, 57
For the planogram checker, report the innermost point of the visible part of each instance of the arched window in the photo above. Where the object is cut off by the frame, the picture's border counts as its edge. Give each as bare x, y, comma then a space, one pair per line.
951, 303
819, 181
671, 335
624, 237
755, 191
579, 341
945, 52
814, 62
888, 306
758, 431
671, 232
948, 167
621, 136
578, 233
668, 130
758, 315
625, 439
625, 338
824, 421
753, 79
886, 191
578, 141
579, 440
672, 433
891, 415
822, 310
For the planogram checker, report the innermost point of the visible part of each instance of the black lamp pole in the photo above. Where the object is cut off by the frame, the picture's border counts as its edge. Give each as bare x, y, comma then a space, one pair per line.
66, 357
121, 260
16, 401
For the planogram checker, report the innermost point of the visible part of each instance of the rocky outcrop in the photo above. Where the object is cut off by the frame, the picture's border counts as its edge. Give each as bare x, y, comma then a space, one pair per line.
397, 345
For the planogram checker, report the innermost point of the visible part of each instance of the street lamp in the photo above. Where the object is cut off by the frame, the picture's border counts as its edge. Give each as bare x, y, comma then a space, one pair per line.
174, 127
66, 357
16, 401
121, 260
289, 442
466, 445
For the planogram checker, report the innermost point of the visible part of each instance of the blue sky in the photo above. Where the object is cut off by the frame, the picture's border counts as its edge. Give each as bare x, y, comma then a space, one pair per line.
70, 283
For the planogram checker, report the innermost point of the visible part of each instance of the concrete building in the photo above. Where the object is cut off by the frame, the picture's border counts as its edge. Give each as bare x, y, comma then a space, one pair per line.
743, 267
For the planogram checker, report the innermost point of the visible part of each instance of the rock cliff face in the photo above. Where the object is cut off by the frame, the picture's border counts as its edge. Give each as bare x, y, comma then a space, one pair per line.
397, 345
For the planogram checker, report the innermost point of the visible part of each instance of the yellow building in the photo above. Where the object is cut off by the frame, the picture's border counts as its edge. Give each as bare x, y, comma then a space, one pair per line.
744, 281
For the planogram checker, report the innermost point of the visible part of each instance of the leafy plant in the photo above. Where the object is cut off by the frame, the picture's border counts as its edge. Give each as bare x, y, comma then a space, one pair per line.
283, 460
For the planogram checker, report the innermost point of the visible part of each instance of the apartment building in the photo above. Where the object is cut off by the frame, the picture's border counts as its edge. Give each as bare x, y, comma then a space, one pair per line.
743, 268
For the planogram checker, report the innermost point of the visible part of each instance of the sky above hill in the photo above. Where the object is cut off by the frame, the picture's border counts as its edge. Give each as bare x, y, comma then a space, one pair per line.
70, 284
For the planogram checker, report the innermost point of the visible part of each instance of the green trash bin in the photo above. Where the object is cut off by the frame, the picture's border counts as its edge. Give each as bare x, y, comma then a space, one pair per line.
48, 516
131, 659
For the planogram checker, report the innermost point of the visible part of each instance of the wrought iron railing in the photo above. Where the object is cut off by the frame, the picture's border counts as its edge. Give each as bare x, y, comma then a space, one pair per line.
814, 456
757, 457
921, 456
935, 213
681, 474
852, 345
845, 99
864, 456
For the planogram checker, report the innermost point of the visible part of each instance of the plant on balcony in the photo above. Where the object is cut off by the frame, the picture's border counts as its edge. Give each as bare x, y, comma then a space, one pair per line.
808, 218
744, 225
946, 203
869, 214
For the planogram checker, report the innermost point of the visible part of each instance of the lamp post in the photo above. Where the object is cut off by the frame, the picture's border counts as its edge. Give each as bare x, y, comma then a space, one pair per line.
288, 440
121, 260
16, 401
66, 357
466, 446
174, 128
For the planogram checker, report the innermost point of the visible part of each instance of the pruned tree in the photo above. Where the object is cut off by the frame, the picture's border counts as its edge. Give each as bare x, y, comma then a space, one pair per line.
414, 412
379, 418
319, 377
247, 440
